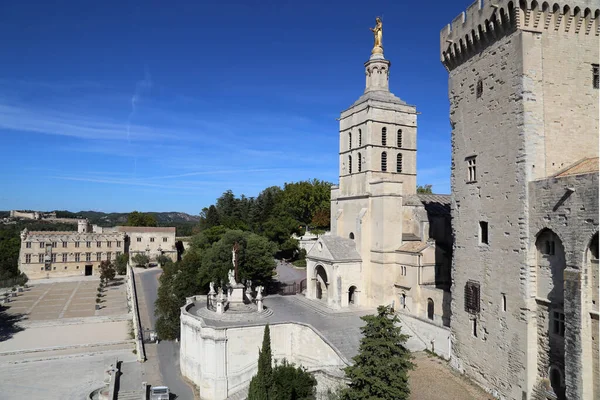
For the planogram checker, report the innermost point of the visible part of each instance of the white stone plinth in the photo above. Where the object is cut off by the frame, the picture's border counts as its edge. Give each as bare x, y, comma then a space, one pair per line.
237, 294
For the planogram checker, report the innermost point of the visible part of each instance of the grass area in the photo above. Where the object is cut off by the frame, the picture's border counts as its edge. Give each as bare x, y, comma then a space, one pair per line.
300, 263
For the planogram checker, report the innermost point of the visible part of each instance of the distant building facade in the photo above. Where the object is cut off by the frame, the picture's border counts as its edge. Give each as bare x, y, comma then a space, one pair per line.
523, 90
47, 254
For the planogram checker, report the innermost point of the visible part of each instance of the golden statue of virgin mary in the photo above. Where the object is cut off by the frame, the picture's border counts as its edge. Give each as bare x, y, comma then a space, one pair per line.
377, 34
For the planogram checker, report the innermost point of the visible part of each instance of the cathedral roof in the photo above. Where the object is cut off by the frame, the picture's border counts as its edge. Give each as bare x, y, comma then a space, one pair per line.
435, 204
335, 248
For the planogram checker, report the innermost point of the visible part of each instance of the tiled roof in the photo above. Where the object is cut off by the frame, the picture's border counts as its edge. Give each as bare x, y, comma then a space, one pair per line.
340, 248
146, 229
52, 232
584, 166
413, 247
435, 204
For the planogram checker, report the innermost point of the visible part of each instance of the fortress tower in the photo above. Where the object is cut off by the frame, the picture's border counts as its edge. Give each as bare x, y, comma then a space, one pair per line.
523, 90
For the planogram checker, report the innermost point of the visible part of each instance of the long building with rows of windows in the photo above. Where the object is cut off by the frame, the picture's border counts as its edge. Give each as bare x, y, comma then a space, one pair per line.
46, 254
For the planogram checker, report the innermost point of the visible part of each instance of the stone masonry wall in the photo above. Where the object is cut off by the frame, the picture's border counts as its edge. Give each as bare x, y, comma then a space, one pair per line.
574, 219
489, 127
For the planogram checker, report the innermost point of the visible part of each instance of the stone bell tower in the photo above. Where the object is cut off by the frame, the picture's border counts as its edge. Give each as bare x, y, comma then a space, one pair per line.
377, 167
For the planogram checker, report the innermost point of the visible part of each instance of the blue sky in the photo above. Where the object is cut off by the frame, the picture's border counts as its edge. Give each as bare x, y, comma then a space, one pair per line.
162, 106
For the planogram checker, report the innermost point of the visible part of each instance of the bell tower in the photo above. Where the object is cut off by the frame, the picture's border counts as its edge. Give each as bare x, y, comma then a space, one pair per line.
377, 161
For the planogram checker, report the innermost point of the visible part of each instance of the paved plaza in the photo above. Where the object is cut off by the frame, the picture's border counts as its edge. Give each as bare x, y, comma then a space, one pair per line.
55, 344
74, 299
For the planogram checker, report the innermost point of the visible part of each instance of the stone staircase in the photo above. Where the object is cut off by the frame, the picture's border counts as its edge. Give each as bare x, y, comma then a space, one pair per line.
240, 395
130, 395
321, 308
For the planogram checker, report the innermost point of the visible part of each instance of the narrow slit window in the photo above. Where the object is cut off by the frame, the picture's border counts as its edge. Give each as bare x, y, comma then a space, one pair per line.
359, 138
384, 136
503, 302
384, 161
479, 88
359, 162
399, 163
483, 232
349, 164
399, 138
595, 76
350, 140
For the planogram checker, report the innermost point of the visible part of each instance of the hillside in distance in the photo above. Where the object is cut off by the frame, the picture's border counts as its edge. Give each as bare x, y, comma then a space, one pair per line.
113, 219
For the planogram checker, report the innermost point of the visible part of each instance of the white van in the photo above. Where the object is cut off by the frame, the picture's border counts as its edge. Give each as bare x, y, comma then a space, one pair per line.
159, 393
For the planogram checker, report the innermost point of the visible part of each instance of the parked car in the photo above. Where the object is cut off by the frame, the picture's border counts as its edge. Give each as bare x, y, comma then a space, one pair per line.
159, 393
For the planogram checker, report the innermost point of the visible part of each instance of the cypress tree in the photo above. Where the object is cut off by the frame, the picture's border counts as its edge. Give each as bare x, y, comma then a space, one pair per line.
261, 383
380, 369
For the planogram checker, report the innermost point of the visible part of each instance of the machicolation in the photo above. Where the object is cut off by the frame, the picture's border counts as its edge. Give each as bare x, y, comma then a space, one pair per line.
484, 22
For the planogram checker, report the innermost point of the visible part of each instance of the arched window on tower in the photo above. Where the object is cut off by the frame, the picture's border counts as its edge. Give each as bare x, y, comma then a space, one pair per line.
359, 162
399, 138
349, 164
399, 163
359, 138
384, 161
350, 140
383, 136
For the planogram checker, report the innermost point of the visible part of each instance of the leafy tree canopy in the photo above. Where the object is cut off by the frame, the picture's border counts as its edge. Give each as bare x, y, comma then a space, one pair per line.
136, 218
380, 369
425, 189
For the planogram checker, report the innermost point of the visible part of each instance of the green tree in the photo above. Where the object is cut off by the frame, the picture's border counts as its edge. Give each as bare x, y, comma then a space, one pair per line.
425, 189
10, 244
261, 383
302, 200
163, 260
136, 218
255, 257
140, 260
380, 369
292, 383
107, 270
121, 264
178, 281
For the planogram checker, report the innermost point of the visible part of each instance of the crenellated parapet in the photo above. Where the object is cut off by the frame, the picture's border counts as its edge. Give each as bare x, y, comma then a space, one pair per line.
485, 21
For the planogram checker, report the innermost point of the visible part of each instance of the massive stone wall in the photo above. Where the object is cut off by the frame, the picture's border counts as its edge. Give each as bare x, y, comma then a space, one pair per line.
522, 102
568, 207
488, 127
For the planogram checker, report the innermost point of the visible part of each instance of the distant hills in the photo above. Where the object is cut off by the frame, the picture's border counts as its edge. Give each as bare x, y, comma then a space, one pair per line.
113, 219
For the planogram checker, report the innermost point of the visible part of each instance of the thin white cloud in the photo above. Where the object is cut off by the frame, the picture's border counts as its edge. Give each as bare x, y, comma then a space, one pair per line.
19, 119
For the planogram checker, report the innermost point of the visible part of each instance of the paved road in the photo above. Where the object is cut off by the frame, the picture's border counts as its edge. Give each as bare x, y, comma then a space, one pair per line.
288, 274
167, 351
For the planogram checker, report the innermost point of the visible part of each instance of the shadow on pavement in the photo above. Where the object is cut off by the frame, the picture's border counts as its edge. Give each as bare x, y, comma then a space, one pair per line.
9, 323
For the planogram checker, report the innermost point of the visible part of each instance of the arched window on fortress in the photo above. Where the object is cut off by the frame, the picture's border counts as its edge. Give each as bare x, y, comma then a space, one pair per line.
383, 136
384, 161
399, 163
399, 138
359, 138
350, 140
349, 164
359, 162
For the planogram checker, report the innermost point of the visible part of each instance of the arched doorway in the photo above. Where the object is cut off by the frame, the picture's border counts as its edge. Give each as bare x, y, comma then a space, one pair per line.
430, 307
321, 282
352, 295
